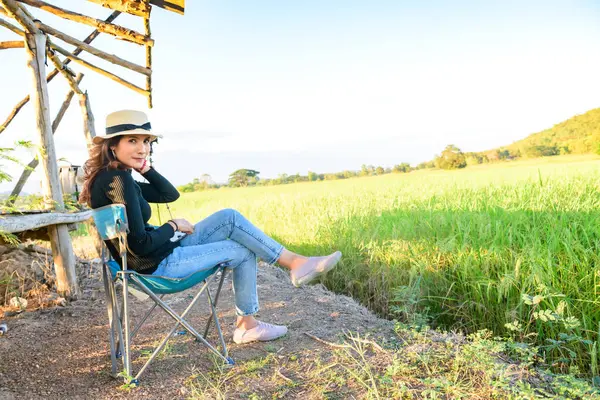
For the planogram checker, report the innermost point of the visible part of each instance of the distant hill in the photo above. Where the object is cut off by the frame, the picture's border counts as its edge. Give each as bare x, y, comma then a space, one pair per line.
577, 135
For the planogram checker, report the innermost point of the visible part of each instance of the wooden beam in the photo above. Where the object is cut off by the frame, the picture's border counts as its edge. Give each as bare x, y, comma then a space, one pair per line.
60, 241
177, 6
64, 71
89, 128
14, 11
12, 44
98, 69
10, 26
13, 113
65, 105
134, 7
18, 223
115, 30
54, 72
92, 50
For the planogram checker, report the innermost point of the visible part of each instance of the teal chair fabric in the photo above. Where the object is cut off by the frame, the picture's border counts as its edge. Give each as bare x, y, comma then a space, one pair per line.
110, 220
164, 285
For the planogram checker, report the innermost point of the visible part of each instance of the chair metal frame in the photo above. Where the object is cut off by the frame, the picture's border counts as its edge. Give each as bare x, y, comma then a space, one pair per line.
111, 222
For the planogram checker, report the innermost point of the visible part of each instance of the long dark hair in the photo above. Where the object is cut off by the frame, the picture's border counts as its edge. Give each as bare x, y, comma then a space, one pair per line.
101, 158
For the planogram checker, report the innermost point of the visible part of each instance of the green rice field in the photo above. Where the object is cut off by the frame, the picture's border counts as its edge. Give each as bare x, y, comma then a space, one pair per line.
515, 243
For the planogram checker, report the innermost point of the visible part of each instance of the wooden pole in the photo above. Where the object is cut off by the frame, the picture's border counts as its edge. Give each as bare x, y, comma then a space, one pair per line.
115, 30
148, 33
12, 44
52, 74
92, 50
28, 170
89, 129
60, 241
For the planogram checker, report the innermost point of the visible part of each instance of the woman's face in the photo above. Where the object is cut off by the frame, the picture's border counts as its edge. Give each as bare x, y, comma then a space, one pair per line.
132, 150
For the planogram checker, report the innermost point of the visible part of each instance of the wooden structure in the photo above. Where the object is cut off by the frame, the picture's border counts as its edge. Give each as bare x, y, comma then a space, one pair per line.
38, 41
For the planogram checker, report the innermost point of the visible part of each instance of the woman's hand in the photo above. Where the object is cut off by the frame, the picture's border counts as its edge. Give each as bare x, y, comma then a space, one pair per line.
182, 225
145, 167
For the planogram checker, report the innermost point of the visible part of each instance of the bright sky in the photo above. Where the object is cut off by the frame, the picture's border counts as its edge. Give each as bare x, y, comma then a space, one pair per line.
287, 87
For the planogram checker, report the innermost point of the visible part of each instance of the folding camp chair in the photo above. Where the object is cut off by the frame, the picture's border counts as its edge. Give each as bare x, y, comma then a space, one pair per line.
111, 222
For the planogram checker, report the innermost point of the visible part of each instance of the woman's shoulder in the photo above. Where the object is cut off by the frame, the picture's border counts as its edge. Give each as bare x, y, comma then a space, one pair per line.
110, 181
108, 176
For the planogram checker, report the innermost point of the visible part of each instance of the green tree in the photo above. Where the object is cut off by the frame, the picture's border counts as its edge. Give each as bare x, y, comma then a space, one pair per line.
426, 164
242, 177
451, 158
379, 170
542, 151
312, 176
364, 170
403, 167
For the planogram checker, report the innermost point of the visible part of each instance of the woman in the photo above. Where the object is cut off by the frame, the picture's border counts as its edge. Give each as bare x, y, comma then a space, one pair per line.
225, 236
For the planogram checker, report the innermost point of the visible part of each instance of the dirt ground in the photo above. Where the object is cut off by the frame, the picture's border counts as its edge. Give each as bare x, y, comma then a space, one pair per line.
58, 351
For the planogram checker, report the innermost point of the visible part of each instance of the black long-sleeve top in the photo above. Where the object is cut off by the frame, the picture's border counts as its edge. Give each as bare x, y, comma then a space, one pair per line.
146, 246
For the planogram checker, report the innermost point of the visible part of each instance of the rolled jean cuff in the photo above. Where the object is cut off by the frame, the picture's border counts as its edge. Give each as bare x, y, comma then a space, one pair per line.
277, 255
241, 313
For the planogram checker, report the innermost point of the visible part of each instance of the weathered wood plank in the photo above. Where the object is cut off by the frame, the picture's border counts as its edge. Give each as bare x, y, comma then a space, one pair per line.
19, 223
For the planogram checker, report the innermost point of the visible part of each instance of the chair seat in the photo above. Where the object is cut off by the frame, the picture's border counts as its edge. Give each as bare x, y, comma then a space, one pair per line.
164, 285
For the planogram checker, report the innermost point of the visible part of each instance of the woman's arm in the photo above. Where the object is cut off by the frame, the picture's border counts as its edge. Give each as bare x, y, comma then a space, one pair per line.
159, 190
121, 189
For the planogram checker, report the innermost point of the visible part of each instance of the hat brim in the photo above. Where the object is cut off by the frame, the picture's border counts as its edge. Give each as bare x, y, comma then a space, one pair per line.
100, 138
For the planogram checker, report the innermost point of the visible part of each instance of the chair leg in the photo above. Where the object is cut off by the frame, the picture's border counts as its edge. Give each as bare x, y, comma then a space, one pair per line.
217, 324
180, 321
139, 325
111, 320
119, 351
127, 353
158, 301
223, 272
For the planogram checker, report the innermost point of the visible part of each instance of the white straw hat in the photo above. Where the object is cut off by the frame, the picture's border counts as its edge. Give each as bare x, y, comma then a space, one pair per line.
126, 122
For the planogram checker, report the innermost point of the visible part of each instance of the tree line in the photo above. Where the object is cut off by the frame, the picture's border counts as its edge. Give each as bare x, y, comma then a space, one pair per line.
450, 158
577, 135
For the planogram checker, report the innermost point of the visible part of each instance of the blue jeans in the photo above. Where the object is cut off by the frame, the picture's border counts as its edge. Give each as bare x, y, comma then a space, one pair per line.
224, 236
